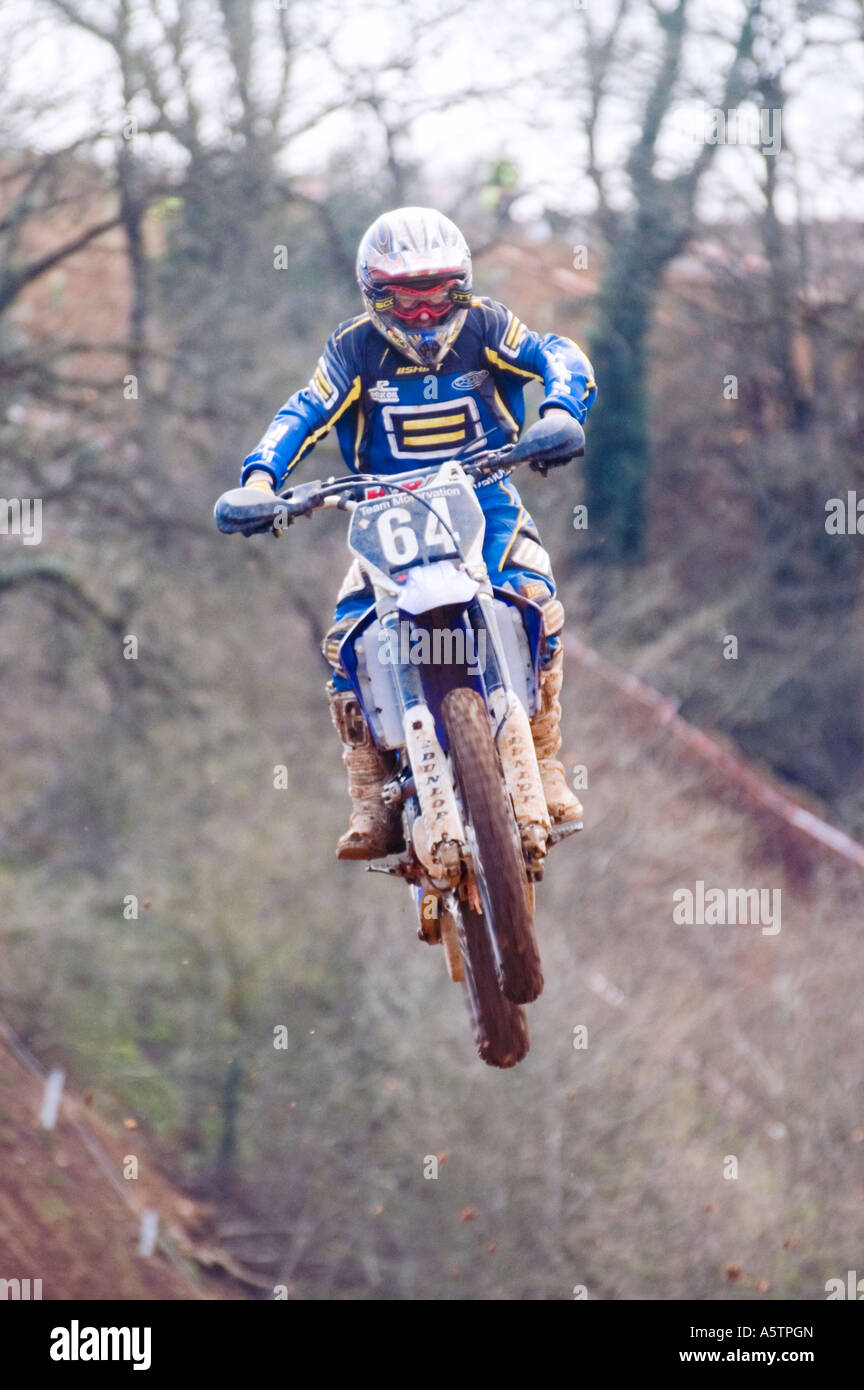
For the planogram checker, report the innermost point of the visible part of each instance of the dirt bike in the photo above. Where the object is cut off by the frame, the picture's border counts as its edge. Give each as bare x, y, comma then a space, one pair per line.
445, 667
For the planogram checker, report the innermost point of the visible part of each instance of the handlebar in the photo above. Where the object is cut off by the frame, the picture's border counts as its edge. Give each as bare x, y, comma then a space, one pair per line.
550, 441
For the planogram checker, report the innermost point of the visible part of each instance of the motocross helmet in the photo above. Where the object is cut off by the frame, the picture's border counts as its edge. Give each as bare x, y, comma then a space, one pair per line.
414, 272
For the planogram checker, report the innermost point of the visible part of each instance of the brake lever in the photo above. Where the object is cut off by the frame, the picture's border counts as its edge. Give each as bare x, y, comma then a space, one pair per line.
542, 466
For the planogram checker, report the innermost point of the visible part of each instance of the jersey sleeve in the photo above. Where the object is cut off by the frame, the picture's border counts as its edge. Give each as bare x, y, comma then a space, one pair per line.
308, 415
558, 363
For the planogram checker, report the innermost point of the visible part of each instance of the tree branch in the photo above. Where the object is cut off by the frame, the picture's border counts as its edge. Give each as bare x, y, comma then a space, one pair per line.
13, 283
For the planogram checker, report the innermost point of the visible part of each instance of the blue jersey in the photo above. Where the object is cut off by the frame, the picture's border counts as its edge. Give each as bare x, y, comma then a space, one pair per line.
391, 416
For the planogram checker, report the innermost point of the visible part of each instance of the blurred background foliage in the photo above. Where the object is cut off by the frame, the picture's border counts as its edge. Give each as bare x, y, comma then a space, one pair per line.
146, 338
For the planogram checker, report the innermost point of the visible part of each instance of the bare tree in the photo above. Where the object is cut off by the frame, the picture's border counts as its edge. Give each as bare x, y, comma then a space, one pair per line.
645, 230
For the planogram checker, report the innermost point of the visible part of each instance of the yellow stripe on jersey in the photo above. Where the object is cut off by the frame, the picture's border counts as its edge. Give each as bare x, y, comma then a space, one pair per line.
505, 412
420, 441
509, 366
512, 332
350, 328
435, 422
313, 438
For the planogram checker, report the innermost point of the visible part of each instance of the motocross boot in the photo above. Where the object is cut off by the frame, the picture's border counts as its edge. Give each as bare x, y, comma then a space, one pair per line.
374, 829
563, 806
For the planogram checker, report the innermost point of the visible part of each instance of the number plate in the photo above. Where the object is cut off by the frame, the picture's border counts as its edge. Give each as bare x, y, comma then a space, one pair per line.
399, 531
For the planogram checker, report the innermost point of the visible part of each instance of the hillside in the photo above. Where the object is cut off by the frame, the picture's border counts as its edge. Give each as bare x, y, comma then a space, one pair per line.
64, 1220
607, 1165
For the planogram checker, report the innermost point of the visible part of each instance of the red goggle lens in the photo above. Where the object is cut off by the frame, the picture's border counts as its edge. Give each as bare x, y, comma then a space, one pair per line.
412, 302
405, 297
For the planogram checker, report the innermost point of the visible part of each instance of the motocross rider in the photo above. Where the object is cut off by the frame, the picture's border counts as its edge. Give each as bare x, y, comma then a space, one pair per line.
428, 370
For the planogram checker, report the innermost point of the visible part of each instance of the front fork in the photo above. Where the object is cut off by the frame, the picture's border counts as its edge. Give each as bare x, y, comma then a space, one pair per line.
514, 740
439, 834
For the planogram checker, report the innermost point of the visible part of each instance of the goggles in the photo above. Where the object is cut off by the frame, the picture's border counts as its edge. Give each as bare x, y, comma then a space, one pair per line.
410, 302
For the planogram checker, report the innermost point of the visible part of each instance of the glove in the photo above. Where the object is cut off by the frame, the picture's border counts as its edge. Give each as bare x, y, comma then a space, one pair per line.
260, 480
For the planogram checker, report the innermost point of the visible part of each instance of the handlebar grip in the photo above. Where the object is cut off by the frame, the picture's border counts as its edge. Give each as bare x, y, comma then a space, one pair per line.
250, 510
555, 438
247, 511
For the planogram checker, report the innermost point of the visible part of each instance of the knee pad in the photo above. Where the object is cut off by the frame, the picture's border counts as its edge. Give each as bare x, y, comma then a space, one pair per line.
553, 622
330, 649
552, 610
528, 554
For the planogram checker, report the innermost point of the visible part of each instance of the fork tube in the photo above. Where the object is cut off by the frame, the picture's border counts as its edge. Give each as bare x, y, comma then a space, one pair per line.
495, 679
409, 687
433, 783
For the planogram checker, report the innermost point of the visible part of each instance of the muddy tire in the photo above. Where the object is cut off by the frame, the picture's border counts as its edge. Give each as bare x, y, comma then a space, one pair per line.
496, 847
500, 1028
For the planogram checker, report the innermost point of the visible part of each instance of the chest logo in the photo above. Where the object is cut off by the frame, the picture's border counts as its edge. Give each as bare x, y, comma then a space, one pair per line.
469, 381
384, 393
434, 431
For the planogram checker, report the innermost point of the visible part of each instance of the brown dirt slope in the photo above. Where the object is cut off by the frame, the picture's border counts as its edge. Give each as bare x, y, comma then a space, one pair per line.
64, 1221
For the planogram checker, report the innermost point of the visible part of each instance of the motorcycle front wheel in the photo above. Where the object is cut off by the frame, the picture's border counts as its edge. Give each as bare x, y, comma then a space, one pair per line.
497, 851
